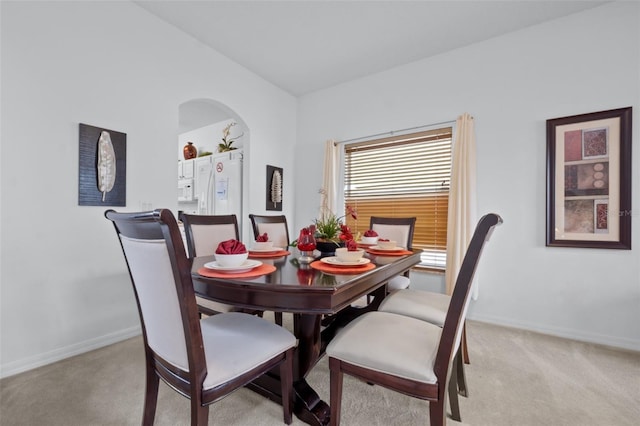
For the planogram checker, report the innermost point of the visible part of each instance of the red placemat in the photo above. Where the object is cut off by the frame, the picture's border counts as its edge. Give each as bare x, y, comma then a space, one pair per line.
389, 252
263, 269
325, 267
279, 253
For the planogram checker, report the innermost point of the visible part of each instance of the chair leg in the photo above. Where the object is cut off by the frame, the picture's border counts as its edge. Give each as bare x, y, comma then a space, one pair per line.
278, 318
465, 351
335, 392
461, 377
286, 380
199, 413
436, 413
150, 397
452, 389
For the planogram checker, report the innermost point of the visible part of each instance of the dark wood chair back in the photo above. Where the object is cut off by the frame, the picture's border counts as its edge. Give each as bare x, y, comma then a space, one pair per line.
399, 229
275, 226
454, 321
204, 232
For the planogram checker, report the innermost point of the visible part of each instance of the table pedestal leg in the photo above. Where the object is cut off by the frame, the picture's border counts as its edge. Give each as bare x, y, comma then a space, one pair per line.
307, 404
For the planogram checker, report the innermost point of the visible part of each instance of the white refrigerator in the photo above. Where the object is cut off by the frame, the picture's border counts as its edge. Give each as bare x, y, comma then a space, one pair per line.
221, 189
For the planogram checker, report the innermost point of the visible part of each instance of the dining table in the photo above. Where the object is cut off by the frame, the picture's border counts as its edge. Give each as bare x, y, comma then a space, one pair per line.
319, 294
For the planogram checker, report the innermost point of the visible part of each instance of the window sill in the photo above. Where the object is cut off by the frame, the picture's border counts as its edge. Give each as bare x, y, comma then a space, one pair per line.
429, 269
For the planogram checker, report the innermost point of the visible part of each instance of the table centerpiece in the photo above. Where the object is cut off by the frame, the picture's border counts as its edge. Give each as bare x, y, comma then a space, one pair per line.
329, 229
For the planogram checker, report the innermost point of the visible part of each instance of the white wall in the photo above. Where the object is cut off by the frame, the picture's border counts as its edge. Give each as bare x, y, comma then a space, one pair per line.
512, 84
64, 286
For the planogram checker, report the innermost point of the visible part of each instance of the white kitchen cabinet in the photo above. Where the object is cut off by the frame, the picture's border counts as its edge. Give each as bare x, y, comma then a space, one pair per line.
186, 168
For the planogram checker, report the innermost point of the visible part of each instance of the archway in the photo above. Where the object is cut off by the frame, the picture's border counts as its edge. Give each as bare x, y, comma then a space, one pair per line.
203, 120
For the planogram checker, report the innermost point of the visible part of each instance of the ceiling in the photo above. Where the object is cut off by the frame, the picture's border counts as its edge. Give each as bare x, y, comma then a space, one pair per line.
303, 46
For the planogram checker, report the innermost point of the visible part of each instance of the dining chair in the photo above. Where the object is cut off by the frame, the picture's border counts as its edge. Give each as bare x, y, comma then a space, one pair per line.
203, 233
275, 226
431, 307
399, 229
405, 354
425, 305
202, 359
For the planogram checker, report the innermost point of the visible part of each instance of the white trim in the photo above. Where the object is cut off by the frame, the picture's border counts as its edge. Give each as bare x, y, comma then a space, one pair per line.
50, 357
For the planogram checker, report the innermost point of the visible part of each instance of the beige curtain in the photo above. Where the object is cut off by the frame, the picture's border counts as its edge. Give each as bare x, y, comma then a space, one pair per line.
329, 194
462, 200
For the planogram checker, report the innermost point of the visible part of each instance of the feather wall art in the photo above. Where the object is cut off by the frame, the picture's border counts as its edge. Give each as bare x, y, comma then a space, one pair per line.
275, 191
102, 169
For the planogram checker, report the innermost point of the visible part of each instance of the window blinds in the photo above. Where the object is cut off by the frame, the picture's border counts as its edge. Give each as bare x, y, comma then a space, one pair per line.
403, 176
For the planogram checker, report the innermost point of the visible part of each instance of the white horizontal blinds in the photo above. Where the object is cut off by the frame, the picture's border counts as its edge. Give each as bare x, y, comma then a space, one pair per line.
403, 176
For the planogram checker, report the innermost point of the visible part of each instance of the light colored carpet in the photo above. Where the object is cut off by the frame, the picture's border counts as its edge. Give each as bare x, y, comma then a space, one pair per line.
515, 378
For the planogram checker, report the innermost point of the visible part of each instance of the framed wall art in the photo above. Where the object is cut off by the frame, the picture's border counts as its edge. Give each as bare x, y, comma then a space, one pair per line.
274, 188
102, 170
589, 180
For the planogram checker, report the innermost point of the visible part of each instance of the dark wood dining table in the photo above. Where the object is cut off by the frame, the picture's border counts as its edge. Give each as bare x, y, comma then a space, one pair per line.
321, 303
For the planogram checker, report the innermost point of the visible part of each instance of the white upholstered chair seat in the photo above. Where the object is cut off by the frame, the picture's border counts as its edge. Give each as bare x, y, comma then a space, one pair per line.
392, 344
423, 305
399, 282
234, 343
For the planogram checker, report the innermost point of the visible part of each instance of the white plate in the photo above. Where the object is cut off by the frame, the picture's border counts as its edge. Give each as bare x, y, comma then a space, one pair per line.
335, 262
378, 248
267, 250
246, 266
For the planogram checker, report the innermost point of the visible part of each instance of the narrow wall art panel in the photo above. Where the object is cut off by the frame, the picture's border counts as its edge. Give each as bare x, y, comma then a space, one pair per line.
274, 188
102, 172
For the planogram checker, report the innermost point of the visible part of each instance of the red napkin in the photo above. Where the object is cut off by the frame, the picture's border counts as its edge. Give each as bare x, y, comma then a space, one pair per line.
262, 238
352, 245
370, 233
383, 239
231, 247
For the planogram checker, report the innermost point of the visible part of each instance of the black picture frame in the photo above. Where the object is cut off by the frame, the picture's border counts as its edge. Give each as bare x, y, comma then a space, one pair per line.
275, 177
589, 180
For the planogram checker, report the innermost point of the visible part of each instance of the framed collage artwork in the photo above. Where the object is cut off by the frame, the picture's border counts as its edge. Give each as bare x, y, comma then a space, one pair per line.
589, 180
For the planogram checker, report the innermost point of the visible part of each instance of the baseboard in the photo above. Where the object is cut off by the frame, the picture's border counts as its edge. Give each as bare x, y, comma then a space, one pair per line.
40, 360
600, 339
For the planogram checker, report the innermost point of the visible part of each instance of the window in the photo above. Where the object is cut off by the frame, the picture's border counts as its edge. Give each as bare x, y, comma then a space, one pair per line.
403, 176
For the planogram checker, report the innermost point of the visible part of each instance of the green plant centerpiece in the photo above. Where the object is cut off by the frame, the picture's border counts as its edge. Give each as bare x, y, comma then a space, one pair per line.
228, 141
329, 230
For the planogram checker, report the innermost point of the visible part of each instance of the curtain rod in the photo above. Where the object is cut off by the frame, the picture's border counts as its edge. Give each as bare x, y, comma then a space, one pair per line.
393, 132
